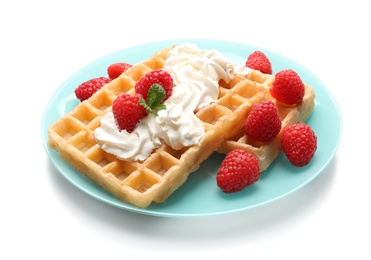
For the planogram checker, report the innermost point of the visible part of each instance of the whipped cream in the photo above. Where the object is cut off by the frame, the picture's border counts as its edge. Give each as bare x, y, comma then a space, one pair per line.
137, 145
196, 74
241, 70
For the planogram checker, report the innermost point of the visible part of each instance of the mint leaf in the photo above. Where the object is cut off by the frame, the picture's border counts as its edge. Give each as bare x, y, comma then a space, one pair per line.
159, 107
156, 95
144, 104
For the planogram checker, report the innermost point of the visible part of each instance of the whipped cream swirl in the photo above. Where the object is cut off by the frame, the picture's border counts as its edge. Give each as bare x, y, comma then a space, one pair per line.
196, 74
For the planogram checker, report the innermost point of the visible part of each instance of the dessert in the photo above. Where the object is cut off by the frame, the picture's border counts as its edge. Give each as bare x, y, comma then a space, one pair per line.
148, 164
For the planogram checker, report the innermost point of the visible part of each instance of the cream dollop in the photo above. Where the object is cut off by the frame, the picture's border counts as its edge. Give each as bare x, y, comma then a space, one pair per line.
199, 70
176, 127
241, 70
136, 146
196, 74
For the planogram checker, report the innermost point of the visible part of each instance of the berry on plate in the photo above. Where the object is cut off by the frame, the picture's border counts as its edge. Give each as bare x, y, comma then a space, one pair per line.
116, 69
160, 77
127, 111
258, 61
86, 89
299, 143
238, 170
287, 87
263, 122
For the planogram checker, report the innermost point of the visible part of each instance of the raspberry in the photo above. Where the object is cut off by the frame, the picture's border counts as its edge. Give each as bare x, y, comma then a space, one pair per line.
299, 143
116, 69
238, 170
263, 122
287, 87
160, 77
258, 61
86, 89
127, 111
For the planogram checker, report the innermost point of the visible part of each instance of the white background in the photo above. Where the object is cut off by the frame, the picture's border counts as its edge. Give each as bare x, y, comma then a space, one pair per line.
43, 215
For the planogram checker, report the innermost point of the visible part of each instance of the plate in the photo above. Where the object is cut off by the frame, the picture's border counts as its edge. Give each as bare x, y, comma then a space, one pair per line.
200, 196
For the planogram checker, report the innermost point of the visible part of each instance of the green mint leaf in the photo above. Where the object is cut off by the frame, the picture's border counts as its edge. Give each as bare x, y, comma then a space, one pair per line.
145, 105
156, 95
159, 107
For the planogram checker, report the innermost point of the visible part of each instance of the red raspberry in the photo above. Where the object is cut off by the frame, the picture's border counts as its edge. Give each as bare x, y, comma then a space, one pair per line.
263, 122
299, 144
258, 61
86, 89
116, 69
238, 170
127, 111
287, 87
160, 77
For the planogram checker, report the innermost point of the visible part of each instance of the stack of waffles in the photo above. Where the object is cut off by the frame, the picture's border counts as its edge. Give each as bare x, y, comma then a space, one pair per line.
166, 169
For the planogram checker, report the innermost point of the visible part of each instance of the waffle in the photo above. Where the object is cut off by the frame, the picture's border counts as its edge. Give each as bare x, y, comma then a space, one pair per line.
267, 152
166, 169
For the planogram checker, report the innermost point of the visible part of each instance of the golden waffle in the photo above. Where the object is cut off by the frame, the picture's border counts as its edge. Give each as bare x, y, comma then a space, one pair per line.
267, 152
166, 169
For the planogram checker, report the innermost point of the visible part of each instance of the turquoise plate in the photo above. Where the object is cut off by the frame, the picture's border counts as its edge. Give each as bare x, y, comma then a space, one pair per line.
200, 196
